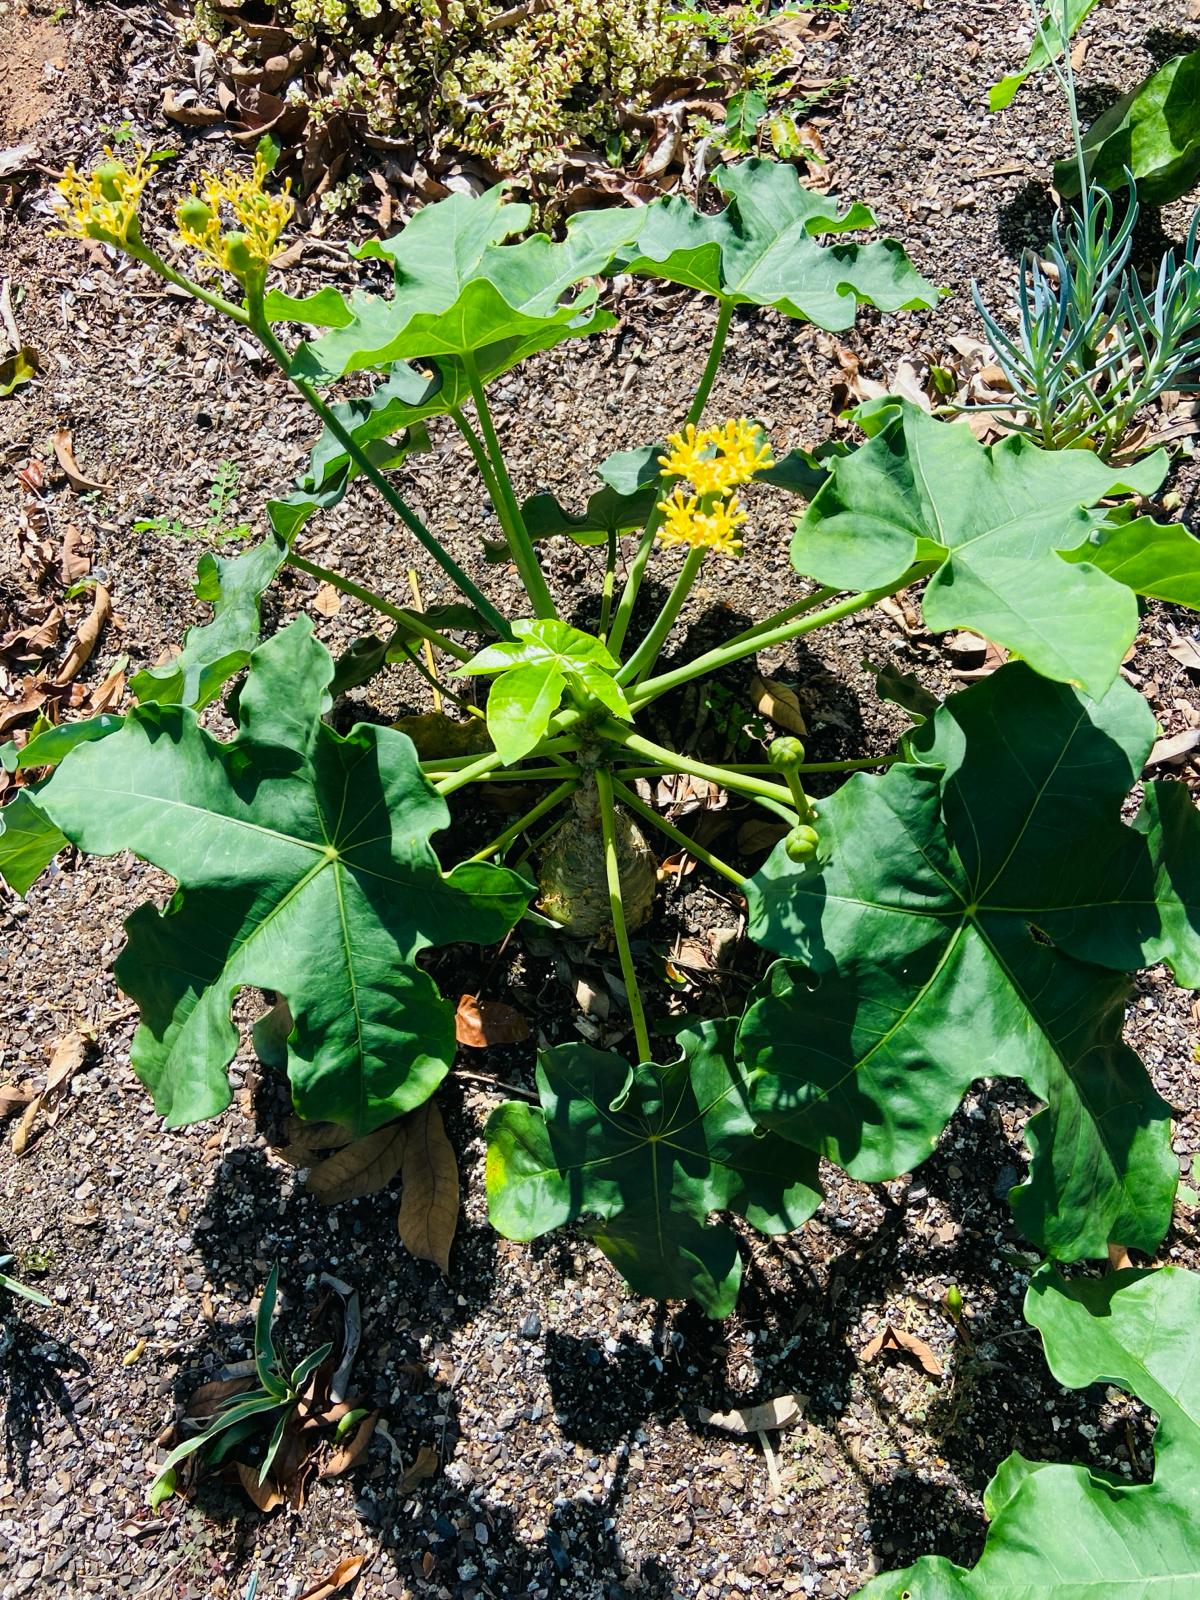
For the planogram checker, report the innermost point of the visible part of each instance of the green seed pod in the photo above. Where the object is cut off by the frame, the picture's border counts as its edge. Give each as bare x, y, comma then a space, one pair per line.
954, 1301
785, 752
194, 215
237, 253
107, 175
801, 843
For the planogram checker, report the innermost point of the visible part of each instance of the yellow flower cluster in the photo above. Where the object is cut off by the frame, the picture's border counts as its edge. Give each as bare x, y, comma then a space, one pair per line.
714, 461
103, 204
248, 249
711, 523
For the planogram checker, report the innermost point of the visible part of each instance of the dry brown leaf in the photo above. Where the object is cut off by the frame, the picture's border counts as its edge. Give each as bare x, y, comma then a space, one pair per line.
678, 865
346, 1455
363, 1167
12, 1097
106, 695
35, 640
1171, 751
481, 1023
85, 639
264, 1495
313, 1136
29, 700
341, 1577
204, 1401
429, 1206
64, 454
778, 703
1119, 1258
1186, 652
32, 475
436, 735
758, 834
68, 1057
785, 1411
903, 1344
425, 1465
327, 601
188, 111
74, 561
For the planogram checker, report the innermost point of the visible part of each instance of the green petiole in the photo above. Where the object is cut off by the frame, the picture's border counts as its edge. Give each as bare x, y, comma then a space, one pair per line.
501, 842
638, 805
612, 869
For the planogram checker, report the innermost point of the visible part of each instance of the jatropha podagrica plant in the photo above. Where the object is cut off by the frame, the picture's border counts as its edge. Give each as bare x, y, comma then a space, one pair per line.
972, 906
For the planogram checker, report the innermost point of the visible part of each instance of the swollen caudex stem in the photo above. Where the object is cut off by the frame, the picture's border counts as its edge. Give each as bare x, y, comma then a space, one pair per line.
787, 756
572, 880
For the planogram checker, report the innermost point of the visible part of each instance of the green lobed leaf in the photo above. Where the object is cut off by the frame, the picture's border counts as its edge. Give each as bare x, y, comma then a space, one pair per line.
762, 250
1062, 1532
460, 291
644, 1154
1158, 559
29, 842
305, 867
520, 704
974, 916
632, 484
213, 652
1002, 518
1153, 132
1002, 94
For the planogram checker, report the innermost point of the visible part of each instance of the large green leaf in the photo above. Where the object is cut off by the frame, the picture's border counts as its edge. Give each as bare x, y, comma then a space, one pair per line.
29, 842
974, 916
214, 651
644, 1154
304, 867
1000, 518
1070, 1533
1153, 132
632, 483
460, 291
762, 250
1001, 94
1158, 559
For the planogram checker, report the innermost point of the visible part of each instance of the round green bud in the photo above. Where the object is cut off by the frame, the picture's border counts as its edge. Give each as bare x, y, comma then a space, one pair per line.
108, 174
801, 843
238, 254
194, 215
786, 752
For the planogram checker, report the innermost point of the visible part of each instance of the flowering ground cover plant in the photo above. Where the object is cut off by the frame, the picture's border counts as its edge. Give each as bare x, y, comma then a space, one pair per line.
974, 907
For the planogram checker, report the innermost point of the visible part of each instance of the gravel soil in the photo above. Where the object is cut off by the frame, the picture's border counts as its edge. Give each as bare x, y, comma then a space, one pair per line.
562, 1413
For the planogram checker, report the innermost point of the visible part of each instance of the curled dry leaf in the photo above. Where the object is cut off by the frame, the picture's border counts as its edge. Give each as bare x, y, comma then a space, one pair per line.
362, 1167
64, 454
302, 1139
778, 703
481, 1023
905, 1344
12, 1097
785, 1411
29, 699
1186, 652
429, 1207
74, 563
346, 1455
759, 834
204, 1401
341, 1577
425, 1465
68, 1057
1173, 750
86, 638
264, 1495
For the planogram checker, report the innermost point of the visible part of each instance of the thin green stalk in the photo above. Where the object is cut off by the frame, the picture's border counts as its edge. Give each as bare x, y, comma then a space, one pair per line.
610, 576
536, 843
809, 603
604, 790
863, 764
262, 331
413, 657
633, 580
478, 769
713, 660
511, 775
480, 455
659, 755
215, 302
410, 619
646, 654
635, 803
552, 747
502, 840
507, 508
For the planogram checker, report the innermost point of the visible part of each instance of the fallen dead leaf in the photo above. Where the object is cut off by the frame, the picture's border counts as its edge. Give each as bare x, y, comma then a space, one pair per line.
85, 639
1119, 1258
346, 1455
64, 454
106, 695
30, 699
68, 1057
429, 1206
778, 703
311, 1136
785, 1411
327, 601
341, 1577
264, 1495
362, 1167
758, 834
17, 158
1172, 751
12, 1097
1186, 652
903, 1344
425, 1465
481, 1023
75, 563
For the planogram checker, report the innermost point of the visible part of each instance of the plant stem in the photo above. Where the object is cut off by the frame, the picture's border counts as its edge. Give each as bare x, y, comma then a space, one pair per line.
215, 302
604, 790
262, 331
533, 774
552, 747
502, 840
610, 575
478, 769
439, 689
411, 619
809, 603
740, 782
646, 654
507, 508
723, 655
633, 580
635, 803
475, 445
863, 764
